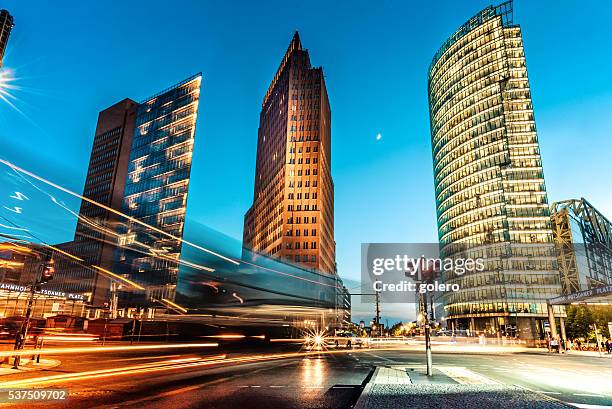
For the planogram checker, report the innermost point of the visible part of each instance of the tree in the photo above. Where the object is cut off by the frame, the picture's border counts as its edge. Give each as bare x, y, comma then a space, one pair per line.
580, 318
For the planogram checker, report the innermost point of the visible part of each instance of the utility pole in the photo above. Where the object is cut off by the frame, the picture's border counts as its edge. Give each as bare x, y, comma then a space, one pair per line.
378, 314
427, 334
426, 275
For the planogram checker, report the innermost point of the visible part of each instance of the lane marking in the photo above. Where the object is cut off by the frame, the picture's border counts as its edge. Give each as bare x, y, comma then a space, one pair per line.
141, 358
588, 394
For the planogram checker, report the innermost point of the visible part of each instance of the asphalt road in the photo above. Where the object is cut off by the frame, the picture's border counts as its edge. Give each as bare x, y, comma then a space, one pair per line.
199, 378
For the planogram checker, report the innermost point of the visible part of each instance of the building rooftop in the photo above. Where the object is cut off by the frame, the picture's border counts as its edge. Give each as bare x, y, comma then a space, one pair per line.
504, 10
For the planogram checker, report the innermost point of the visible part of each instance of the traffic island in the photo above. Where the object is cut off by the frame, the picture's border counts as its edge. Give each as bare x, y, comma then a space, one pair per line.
450, 387
28, 364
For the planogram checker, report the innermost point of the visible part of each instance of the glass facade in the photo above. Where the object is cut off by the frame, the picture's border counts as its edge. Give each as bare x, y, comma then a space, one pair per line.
156, 188
489, 183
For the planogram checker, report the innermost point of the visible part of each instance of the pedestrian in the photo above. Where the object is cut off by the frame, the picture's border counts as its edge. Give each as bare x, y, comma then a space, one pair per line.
562, 346
607, 345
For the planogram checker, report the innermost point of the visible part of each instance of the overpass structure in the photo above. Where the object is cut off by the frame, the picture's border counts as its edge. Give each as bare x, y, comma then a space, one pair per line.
583, 240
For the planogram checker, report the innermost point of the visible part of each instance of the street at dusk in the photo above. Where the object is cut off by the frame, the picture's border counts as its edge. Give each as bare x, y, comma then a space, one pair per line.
198, 377
310, 205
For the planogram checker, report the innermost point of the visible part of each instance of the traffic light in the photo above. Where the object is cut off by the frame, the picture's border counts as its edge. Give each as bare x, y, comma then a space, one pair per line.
47, 273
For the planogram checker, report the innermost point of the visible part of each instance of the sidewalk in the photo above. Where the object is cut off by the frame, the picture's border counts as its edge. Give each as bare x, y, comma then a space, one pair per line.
449, 387
571, 352
27, 365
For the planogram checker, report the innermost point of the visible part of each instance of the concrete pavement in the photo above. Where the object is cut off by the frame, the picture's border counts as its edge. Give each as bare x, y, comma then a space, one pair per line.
447, 388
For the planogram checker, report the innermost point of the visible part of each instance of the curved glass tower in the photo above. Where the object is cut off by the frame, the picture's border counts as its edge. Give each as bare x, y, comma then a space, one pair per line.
489, 183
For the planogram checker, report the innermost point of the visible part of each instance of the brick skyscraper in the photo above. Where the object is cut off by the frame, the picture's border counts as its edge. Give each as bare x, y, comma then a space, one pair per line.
292, 216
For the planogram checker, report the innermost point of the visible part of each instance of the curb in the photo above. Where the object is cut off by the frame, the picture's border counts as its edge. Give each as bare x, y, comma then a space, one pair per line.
25, 367
364, 398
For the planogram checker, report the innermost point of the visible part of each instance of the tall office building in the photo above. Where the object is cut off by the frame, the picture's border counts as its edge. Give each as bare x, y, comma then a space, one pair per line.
156, 188
489, 183
292, 216
94, 239
139, 166
6, 25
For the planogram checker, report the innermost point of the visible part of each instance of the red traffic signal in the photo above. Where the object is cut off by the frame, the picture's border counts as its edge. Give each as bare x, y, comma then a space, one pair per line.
47, 273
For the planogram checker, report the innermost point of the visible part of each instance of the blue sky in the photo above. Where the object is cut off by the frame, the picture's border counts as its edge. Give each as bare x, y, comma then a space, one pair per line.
75, 58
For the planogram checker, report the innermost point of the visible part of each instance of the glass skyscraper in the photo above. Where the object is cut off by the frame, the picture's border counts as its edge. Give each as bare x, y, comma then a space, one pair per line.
131, 224
489, 182
156, 188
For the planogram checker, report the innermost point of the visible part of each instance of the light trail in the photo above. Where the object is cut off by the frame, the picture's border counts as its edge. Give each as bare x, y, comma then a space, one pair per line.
225, 336
187, 363
175, 305
180, 240
63, 252
103, 373
15, 247
132, 219
78, 350
69, 338
120, 278
236, 296
151, 251
291, 275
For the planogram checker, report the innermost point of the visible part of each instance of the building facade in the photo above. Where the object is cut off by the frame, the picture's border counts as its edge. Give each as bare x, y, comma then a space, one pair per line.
155, 197
6, 25
19, 264
130, 223
292, 215
489, 183
95, 236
